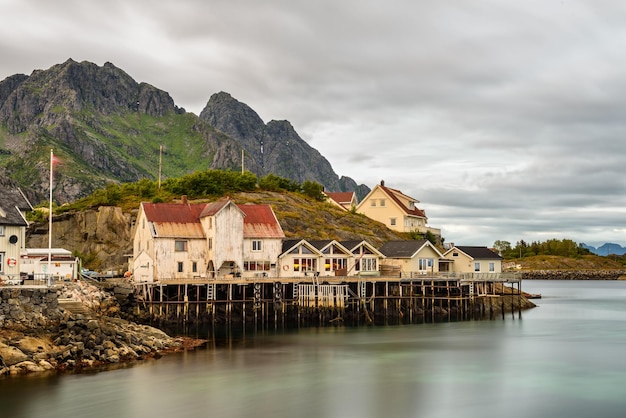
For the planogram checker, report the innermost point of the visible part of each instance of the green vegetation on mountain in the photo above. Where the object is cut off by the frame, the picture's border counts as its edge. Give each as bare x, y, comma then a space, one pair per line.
105, 128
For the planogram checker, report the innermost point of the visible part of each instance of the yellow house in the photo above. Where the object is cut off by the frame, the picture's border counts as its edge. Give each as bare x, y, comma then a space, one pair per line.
468, 259
396, 210
344, 200
411, 257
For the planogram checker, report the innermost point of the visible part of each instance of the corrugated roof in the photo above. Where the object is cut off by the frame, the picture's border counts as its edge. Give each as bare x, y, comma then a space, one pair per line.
175, 219
179, 230
260, 222
183, 220
173, 212
214, 207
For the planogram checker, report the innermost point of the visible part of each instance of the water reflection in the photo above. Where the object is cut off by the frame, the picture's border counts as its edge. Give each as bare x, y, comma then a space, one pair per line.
562, 359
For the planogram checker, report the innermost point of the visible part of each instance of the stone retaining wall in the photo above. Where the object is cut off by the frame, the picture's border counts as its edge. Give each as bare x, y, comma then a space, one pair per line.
27, 308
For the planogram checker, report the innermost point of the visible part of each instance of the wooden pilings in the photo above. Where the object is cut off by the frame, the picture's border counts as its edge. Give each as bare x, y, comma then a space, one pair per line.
347, 300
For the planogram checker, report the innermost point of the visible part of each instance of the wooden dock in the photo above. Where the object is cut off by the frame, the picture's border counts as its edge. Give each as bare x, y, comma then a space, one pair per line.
267, 301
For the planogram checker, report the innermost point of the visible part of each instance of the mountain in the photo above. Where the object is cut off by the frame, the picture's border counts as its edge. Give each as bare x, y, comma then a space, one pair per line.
606, 249
106, 127
274, 147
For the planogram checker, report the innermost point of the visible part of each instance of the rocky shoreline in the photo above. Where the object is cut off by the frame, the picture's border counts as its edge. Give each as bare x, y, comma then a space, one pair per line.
38, 333
574, 275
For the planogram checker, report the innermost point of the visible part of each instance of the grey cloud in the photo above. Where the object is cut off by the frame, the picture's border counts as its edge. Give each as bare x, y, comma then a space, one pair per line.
503, 118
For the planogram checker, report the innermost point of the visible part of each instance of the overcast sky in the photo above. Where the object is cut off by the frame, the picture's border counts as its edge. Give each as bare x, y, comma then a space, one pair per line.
504, 118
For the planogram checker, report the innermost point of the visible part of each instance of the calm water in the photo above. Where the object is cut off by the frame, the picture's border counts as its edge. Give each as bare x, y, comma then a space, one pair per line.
565, 358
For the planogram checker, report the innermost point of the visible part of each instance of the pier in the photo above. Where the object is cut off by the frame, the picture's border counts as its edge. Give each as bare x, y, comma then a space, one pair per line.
273, 302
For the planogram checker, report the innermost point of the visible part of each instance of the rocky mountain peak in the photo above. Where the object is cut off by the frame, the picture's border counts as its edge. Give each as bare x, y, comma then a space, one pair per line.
274, 147
107, 127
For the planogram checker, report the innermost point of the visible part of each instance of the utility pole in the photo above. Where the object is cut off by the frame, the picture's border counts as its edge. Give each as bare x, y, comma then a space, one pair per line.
160, 164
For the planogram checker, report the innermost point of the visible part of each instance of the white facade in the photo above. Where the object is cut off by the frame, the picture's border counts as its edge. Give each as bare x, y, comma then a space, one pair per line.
63, 265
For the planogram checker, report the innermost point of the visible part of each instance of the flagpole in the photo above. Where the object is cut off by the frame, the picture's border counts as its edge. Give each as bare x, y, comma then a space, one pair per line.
50, 223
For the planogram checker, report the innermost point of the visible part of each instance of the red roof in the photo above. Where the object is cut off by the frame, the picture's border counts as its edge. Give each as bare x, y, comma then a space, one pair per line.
214, 207
175, 219
393, 194
260, 222
341, 197
173, 212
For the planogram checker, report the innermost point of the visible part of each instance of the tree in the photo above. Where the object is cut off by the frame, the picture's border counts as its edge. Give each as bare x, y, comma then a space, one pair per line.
502, 247
313, 190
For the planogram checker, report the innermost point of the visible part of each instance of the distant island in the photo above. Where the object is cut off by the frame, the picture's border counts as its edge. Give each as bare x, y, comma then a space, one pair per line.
606, 249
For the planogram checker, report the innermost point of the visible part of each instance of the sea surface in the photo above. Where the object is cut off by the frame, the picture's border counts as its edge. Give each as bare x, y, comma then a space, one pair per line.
565, 358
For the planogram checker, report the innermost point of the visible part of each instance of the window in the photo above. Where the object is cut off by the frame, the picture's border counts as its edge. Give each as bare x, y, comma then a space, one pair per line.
304, 264
256, 265
455, 254
382, 202
373, 202
256, 245
210, 243
194, 267
492, 267
334, 264
1, 262
425, 264
476, 266
392, 221
1, 230
180, 266
180, 245
366, 264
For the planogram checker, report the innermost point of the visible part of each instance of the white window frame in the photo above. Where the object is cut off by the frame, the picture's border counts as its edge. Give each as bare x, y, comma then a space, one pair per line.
257, 245
476, 267
1, 230
492, 267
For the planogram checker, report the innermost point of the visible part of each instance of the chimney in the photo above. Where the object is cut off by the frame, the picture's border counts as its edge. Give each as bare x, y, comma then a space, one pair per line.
183, 199
382, 183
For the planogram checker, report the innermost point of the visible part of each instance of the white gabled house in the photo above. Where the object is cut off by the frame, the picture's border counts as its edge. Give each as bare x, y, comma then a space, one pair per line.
218, 239
329, 258
13, 207
335, 257
366, 260
169, 242
299, 258
262, 241
222, 223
